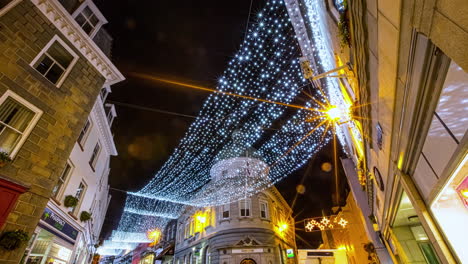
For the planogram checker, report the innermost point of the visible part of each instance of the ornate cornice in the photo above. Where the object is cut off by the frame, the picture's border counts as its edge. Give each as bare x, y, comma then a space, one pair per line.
104, 129
65, 23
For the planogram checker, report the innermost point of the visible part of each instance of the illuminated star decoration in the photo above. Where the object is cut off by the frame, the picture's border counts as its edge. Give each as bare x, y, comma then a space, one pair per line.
325, 223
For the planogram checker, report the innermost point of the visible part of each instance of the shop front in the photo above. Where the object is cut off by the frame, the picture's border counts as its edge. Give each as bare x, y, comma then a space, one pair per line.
408, 238
450, 210
54, 241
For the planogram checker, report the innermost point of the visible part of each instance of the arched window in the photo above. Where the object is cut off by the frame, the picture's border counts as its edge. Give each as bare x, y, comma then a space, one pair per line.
207, 258
248, 261
281, 256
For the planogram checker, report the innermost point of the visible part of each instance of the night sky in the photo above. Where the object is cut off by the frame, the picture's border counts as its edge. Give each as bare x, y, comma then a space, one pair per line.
190, 41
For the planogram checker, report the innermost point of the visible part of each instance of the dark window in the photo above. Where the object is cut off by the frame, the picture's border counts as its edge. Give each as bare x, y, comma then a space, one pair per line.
4, 3
61, 181
378, 179
379, 136
94, 156
87, 20
226, 211
83, 133
54, 62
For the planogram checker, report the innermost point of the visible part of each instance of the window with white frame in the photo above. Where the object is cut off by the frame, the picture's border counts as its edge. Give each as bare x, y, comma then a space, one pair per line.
55, 61
104, 93
62, 180
89, 18
17, 119
244, 207
225, 211
6, 5
84, 133
111, 113
95, 155
264, 209
79, 195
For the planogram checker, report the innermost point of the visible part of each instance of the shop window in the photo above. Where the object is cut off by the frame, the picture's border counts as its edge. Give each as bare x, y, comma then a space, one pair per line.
244, 208
48, 249
410, 239
62, 180
450, 209
17, 119
55, 61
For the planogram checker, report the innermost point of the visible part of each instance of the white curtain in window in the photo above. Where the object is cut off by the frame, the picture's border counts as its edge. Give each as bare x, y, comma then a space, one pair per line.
14, 119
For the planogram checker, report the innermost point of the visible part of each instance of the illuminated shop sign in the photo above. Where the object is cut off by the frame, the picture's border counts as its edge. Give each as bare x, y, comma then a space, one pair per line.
58, 223
290, 253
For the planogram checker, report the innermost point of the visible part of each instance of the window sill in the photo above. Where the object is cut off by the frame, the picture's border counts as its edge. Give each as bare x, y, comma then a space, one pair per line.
81, 147
92, 167
39, 76
56, 201
72, 215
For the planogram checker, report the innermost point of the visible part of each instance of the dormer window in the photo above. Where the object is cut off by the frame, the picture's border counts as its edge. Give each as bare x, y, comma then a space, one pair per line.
89, 18
111, 113
104, 93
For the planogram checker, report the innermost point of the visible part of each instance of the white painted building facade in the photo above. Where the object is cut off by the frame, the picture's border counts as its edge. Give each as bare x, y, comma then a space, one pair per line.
61, 236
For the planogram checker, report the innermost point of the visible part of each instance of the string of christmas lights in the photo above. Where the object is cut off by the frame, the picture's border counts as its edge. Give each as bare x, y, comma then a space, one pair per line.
266, 67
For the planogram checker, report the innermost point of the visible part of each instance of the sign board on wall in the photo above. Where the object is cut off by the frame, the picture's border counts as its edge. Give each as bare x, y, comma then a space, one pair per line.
59, 223
247, 250
290, 253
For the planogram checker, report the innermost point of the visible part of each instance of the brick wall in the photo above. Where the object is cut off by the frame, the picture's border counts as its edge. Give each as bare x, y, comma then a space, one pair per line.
24, 31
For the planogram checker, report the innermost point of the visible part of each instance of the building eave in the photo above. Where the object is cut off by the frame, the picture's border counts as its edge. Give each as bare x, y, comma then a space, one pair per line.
65, 23
104, 129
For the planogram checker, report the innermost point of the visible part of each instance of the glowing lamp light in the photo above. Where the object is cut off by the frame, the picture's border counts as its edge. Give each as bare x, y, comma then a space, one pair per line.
333, 113
338, 114
201, 219
282, 227
154, 235
342, 248
464, 193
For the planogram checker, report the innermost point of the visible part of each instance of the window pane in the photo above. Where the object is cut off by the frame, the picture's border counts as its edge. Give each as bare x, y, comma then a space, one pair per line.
54, 73
87, 28
8, 139
15, 114
44, 64
87, 12
83, 132
94, 20
80, 19
61, 181
60, 54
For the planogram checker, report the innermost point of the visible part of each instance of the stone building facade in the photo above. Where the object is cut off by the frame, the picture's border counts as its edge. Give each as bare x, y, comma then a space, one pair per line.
258, 229
51, 72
